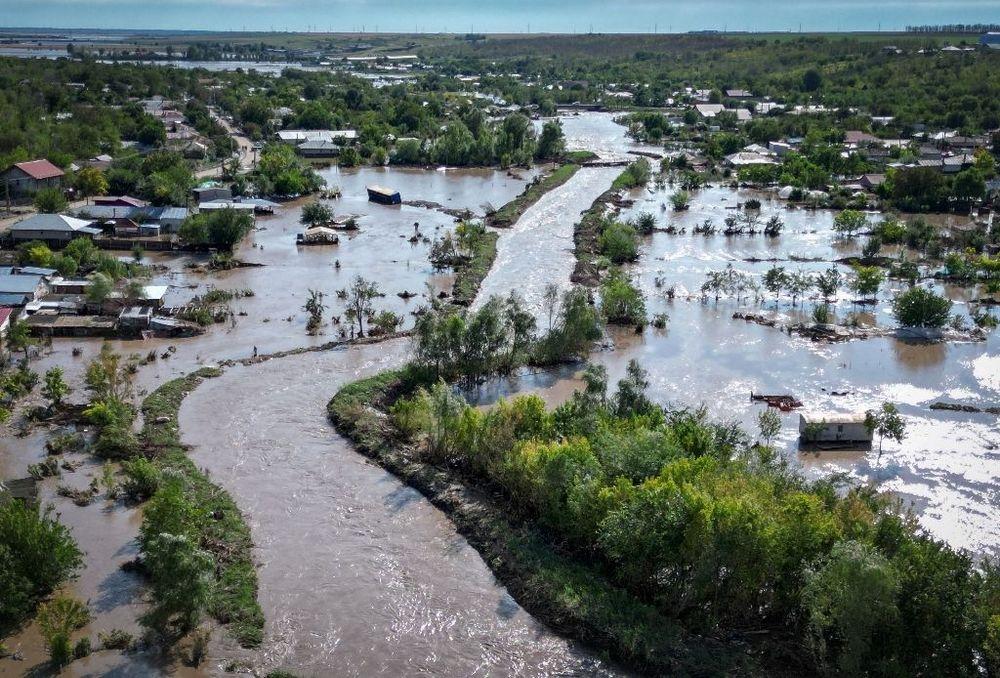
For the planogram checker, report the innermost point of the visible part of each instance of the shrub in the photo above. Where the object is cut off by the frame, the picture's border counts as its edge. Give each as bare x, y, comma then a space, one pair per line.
618, 242
36, 554
622, 303
58, 619
142, 478
919, 307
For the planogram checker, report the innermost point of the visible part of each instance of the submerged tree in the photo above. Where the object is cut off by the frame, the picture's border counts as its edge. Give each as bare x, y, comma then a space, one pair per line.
886, 422
360, 296
315, 308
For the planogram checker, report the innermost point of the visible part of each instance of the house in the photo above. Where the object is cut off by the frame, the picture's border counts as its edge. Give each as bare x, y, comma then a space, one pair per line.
317, 148
858, 138
744, 158
709, 110
991, 40
17, 289
119, 201
833, 429
383, 195
298, 136
54, 229
779, 148
216, 205
209, 193
738, 94
152, 221
871, 181
135, 317
26, 178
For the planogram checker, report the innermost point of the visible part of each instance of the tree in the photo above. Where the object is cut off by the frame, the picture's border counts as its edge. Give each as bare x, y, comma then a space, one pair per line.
849, 601
828, 282
100, 287
91, 181
769, 423
775, 280
920, 307
811, 80
50, 201
849, 222
886, 421
315, 214
37, 553
314, 307
359, 296
552, 142
622, 303
19, 338
619, 243
55, 387
222, 229
799, 283
867, 281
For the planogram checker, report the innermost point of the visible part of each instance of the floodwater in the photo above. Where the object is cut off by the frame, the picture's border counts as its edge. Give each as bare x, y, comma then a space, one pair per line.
359, 575
362, 576
538, 249
948, 467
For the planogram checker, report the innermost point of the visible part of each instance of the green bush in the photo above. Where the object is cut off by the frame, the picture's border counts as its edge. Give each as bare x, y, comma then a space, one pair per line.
142, 478
622, 303
37, 553
919, 307
618, 242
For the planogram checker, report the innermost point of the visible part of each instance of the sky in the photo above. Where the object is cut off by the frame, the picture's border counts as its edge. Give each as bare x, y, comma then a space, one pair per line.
497, 16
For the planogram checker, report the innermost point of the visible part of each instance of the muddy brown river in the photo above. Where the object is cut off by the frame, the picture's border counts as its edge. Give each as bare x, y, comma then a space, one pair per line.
359, 575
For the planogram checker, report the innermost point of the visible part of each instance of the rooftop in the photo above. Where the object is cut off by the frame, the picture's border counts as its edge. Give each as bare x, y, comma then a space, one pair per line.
39, 169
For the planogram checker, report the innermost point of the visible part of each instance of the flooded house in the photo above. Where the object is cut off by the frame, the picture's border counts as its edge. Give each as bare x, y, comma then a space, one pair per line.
383, 195
834, 429
53, 229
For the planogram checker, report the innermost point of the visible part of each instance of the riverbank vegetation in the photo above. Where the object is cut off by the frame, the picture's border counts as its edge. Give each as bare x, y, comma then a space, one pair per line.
196, 547
469, 253
689, 520
507, 215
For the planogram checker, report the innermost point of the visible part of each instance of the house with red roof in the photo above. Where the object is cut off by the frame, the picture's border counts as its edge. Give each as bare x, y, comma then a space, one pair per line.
26, 178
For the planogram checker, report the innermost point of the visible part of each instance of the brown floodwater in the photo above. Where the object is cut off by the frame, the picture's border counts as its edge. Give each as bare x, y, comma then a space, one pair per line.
359, 575
948, 467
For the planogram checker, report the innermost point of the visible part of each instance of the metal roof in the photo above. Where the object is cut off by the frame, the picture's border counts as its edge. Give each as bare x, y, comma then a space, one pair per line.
54, 222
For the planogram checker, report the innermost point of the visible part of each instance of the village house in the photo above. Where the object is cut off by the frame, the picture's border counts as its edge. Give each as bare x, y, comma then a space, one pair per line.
834, 429
18, 288
53, 229
23, 179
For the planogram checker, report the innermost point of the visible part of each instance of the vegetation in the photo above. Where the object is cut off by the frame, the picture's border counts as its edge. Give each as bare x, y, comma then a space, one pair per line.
920, 307
622, 303
636, 174
37, 554
57, 619
507, 215
686, 519
195, 544
221, 229
886, 421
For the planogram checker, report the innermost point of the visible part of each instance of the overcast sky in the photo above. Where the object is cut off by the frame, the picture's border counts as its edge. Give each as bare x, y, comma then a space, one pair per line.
497, 16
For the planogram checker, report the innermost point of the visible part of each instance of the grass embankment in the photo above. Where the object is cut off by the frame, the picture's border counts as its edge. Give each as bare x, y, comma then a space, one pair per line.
223, 532
469, 275
586, 241
566, 591
506, 216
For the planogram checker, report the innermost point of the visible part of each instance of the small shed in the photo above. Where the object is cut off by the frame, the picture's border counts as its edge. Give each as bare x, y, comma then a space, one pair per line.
834, 429
209, 193
383, 195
